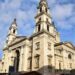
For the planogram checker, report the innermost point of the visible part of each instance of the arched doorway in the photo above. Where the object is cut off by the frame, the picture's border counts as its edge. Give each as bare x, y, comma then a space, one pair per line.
16, 61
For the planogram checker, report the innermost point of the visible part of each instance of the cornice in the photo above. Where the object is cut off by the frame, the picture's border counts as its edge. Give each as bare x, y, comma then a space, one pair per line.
58, 55
42, 14
15, 43
40, 5
41, 32
64, 43
69, 46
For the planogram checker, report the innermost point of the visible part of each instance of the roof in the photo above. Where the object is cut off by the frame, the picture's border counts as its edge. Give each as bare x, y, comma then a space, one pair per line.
18, 39
58, 44
65, 43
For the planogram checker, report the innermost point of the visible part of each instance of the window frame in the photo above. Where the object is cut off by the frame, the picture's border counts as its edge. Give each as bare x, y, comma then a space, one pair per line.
49, 63
40, 9
37, 61
48, 28
30, 63
60, 67
14, 31
37, 45
49, 46
46, 10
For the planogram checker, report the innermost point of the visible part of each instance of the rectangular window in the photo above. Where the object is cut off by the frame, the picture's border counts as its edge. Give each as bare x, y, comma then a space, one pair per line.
37, 45
47, 19
49, 60
37, 61
29, 63
70, 65
2, 65
49, 63
39, 19
46, 9
59, 65
60, 51
4, 56
49, 45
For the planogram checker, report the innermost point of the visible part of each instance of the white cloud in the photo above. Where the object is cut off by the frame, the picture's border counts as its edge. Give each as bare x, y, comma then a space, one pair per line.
11, 4
14, 3
62, 11
51, 2
63, 15
72, 20
64, 25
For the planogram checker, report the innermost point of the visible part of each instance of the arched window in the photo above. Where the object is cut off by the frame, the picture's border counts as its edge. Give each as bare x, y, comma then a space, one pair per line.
14, 31
38, 27
46, 9
40, 9
59, 65
16, 61
69, 56
39, 19
70, 65
47, 27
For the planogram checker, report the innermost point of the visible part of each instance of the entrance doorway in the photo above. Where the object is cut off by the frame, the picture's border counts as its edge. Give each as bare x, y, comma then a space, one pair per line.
16, 61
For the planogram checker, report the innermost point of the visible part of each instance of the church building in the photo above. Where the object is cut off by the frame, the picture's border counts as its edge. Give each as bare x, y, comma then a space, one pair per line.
42, 51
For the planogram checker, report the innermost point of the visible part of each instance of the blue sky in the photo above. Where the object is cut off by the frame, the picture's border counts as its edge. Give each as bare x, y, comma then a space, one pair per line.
62, 11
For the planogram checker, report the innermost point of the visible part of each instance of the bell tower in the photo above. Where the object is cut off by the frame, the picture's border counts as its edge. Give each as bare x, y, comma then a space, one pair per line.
12, 32
43, 17
44, 22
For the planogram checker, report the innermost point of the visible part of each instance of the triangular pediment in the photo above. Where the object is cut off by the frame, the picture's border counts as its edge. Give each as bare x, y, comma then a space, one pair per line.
69, 44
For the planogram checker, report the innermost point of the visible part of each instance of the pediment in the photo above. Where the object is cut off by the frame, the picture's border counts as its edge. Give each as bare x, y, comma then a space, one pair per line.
69, 44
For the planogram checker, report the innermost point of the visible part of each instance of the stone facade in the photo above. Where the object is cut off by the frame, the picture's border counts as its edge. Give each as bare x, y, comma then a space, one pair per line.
42, 51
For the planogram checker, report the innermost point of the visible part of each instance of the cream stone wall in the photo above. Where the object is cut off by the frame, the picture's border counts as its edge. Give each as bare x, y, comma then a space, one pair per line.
27, 54
67, 63
6, 62
40, 51
0, 66
68, 51
44, 52
58, 59
9, 55
27, 49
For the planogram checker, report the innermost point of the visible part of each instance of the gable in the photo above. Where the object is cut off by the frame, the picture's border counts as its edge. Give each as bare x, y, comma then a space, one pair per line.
69, 44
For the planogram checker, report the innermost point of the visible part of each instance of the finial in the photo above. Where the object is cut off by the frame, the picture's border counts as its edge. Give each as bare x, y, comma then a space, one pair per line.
14, 21
43, 1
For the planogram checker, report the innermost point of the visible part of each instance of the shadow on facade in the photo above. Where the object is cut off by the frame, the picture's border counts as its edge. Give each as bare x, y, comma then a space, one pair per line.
22, 73
46, 70
49, 70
